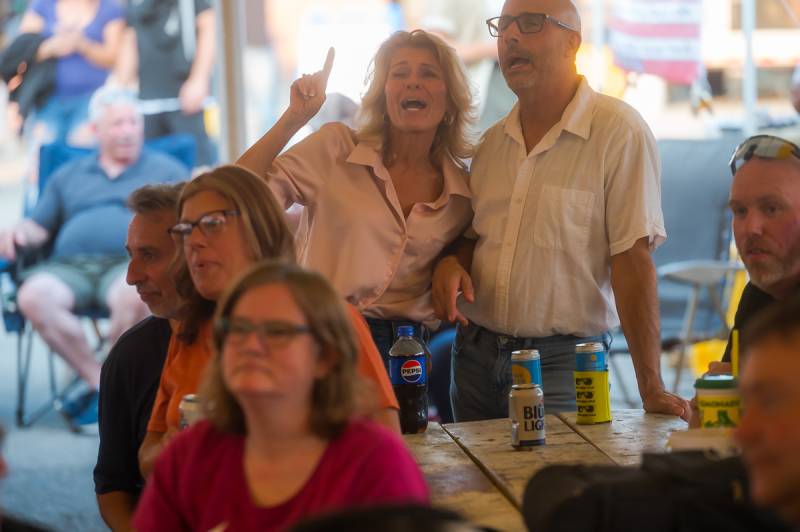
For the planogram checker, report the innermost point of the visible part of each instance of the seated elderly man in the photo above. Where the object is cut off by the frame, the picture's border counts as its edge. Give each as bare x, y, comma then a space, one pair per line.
82, 211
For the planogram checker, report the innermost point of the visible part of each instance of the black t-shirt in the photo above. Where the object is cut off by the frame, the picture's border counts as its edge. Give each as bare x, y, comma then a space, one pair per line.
753, 301
163, 63
128, 385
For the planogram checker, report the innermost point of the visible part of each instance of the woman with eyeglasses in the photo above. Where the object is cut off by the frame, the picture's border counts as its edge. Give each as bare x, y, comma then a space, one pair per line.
382, 201
228, 221
282, 440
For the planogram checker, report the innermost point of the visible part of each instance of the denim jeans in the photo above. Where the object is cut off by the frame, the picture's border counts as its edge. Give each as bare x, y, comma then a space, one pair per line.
481, 374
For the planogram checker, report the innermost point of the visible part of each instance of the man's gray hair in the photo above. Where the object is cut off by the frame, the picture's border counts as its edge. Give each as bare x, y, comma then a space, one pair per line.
154, 198
106, 97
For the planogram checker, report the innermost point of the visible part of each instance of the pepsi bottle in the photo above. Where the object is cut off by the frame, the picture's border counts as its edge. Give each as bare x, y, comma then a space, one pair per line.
409, 375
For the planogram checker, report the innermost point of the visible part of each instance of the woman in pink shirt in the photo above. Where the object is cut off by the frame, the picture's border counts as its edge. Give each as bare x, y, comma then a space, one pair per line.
383, 201
280, 441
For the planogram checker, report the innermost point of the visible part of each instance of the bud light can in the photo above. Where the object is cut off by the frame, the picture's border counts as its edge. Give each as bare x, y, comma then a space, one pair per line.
526, 410
591, 356
526, 367
190, 410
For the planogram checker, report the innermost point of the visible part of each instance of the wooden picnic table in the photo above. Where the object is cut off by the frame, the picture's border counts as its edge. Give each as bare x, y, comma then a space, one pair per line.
488, 443
458, 484
471, 467
630, 433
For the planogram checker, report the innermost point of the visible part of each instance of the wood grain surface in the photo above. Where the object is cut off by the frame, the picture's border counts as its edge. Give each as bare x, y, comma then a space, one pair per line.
457, 483
630, 433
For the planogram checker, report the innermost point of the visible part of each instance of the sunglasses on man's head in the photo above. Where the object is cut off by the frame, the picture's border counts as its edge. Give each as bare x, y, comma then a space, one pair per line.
764, 146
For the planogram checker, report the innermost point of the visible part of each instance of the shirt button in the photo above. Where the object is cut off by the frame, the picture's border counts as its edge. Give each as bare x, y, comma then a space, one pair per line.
518, 201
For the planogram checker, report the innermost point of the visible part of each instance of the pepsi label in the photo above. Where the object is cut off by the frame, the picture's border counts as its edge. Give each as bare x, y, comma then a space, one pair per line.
408, 370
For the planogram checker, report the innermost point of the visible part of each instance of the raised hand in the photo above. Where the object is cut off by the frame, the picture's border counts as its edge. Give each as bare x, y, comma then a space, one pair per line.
308, 92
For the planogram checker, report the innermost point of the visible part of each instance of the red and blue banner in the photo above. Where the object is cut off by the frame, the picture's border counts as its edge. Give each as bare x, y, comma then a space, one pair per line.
660, 37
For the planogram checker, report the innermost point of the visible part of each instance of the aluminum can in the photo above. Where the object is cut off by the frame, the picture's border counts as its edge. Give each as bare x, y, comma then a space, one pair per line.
591, 356
526, 367
190, 411
526, 410
592, 397
718, 401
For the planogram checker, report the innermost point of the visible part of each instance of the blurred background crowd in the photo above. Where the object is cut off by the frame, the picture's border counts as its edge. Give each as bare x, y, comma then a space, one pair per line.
684, 65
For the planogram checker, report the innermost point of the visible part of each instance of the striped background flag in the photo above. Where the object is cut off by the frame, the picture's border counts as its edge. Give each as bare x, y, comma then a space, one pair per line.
660, 37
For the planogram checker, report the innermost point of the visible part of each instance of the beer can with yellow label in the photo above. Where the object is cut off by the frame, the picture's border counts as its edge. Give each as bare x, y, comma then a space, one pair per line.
593, 397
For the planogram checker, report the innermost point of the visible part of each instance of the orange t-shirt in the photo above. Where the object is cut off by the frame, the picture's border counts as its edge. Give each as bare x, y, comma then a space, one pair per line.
186, 363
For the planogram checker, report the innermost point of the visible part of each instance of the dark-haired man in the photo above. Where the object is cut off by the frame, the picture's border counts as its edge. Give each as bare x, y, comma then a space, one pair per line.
131, 373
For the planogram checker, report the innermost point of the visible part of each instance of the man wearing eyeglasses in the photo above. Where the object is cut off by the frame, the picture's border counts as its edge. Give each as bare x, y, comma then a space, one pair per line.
567, 201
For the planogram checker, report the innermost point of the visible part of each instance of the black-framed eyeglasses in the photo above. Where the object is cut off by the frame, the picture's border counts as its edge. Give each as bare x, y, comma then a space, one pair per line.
765, 146
271, 334
526, 22
210, 224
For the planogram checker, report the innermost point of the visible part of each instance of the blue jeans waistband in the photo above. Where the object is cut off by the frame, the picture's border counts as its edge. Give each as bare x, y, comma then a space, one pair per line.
513, 343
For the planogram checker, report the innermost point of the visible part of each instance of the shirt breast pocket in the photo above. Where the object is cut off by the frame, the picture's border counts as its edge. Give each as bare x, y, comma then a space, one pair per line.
562, 219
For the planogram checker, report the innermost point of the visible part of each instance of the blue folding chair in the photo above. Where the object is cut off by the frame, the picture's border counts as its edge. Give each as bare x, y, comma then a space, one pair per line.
51, 156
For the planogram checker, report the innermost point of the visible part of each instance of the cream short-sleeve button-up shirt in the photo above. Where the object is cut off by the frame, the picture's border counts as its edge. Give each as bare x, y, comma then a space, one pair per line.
549, 221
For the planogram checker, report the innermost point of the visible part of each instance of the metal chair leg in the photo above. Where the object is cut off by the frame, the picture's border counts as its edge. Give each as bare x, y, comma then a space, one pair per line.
24, 361
24, 418
686, 335
24, 338
717, 305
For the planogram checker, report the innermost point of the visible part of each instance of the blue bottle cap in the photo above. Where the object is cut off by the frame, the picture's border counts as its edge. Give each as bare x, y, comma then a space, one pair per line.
405, 330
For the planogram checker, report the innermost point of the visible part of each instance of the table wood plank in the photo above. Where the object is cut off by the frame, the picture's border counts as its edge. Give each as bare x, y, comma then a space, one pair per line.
489, 444
630, 433
456, 483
